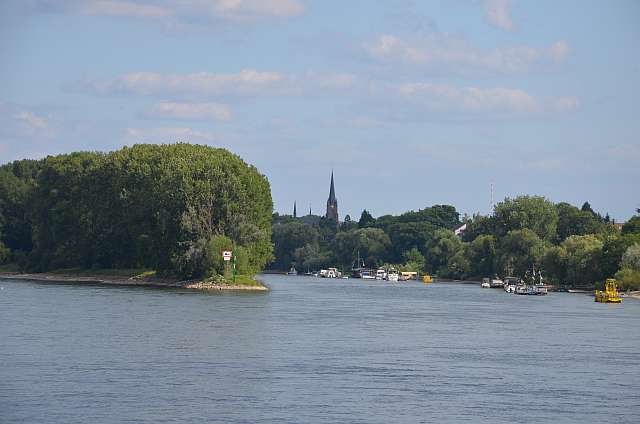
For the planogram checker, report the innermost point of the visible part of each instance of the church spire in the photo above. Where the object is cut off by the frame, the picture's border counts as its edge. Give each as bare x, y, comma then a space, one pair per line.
332, 202
332, 190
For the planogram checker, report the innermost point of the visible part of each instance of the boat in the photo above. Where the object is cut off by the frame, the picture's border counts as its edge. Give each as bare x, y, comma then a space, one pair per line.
486, 283
333, 273
610, 293
496, 283
393, 275
427, 279
367, 274
510, 284
381, 274
292, 271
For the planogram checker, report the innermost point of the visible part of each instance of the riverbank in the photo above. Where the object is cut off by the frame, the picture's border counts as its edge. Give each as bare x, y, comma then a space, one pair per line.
140, 280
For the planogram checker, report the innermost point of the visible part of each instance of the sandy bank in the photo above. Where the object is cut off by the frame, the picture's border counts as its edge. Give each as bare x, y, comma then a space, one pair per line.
113, 280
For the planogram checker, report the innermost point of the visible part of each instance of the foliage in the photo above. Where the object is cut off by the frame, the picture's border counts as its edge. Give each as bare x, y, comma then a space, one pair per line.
151, 206
520, 250
440, 250
482, 254
632, 226
631, 257
583, 259
534, 213
366, 220
628, 279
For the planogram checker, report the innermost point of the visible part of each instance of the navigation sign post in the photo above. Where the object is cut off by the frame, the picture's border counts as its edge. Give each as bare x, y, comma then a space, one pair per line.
229, 255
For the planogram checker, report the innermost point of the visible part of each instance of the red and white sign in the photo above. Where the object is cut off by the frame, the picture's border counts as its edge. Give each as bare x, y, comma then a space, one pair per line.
226, 255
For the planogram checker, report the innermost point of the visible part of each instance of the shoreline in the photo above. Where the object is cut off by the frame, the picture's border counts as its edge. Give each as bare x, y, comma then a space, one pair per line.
111, 280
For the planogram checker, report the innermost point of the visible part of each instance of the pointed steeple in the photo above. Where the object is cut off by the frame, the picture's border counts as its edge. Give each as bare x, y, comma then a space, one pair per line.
332, 191
332, 203
295, 215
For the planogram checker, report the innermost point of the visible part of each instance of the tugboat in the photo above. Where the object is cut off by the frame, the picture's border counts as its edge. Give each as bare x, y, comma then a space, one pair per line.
610, 293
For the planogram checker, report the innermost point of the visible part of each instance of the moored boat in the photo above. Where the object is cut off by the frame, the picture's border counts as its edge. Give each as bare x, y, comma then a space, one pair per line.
427, 279
393, 275
292, 271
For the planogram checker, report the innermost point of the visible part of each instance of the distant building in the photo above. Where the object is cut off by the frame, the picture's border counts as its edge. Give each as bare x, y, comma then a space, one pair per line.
618, 225
460, 230
295, 214
332, 203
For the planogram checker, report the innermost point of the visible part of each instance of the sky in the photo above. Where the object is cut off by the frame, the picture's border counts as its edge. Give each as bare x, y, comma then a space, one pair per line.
410, 103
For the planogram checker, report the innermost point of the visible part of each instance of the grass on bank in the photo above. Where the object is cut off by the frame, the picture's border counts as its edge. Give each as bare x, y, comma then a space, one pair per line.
137, 273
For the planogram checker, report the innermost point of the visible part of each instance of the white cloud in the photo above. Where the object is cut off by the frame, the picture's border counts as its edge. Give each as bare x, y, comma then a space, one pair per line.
447, 53
168, 135
498, 13
176, 14
18, 122
191, 111
121, 8
443, 97
248, 82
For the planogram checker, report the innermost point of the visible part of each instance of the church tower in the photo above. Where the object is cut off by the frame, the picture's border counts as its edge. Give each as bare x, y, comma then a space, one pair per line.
332, 203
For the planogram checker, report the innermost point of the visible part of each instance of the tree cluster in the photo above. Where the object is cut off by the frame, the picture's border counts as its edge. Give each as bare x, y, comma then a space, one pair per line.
172, 208
573, 246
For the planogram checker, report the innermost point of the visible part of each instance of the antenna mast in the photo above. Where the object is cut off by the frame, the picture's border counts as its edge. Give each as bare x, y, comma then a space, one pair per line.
492, 204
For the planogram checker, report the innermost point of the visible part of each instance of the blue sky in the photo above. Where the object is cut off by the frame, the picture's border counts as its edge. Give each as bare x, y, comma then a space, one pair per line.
411, 103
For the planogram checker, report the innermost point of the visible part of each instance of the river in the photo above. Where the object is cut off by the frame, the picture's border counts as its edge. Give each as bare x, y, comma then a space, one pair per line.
315, 351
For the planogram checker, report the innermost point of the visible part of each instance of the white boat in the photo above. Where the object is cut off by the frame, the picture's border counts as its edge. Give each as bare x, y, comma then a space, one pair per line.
381, 274
485, 285
393, 275
496, 283
333, 273
292, 271
509, 288
367, 275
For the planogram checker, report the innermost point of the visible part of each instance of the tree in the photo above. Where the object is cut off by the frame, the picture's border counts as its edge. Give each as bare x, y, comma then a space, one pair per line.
520, 250
372, 245
527, 212
289, 237
482, 256
440, 249
631, 257
413, 261
583, 259
554, 263
632, 226
573, 221
366, 220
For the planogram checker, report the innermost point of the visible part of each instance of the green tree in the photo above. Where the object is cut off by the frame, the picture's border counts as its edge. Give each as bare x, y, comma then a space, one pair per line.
413, 261
519, 251
632, 226
554, 263
583, 259
481, 253
440, 249
527, 212
366, 220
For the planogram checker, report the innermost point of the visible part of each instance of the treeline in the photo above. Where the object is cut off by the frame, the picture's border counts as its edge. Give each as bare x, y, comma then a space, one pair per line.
171, 208
573, 247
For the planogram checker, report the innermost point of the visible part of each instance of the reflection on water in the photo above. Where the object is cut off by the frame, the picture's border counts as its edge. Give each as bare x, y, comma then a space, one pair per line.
315, 350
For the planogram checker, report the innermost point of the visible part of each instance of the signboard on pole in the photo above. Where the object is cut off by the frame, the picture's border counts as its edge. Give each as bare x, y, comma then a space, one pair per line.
226, 255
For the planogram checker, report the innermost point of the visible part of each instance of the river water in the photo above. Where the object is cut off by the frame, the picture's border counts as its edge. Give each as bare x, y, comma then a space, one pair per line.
315, 351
